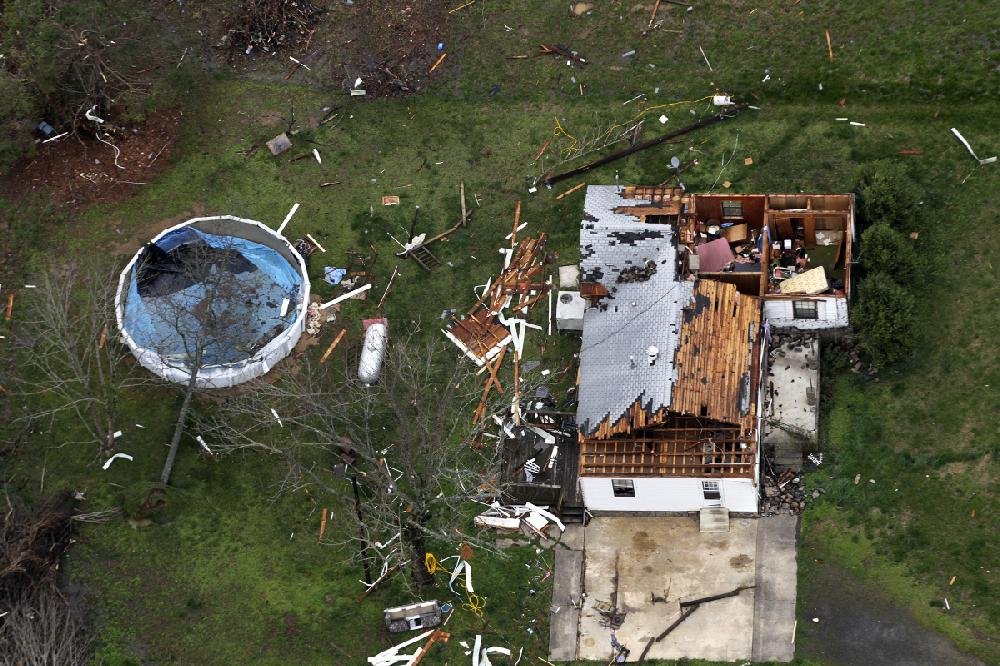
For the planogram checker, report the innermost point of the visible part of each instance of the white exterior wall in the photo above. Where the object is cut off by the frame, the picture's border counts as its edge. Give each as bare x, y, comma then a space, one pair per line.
668, 495
831, 312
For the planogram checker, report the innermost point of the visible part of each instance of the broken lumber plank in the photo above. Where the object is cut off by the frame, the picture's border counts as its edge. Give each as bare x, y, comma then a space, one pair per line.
333, 345
649, 143
10, 306
685, 614
570, 191
395, 272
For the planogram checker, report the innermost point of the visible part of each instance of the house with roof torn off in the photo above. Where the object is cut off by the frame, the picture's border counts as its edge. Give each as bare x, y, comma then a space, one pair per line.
681, 292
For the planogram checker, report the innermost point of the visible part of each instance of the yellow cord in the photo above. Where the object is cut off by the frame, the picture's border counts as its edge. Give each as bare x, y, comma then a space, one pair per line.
431, 563
475, 603
559, 130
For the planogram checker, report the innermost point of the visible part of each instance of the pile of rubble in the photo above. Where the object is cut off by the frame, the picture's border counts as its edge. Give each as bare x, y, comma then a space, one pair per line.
783, 494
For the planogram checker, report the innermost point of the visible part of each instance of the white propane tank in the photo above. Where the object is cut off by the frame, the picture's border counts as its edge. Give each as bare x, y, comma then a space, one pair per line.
372, 353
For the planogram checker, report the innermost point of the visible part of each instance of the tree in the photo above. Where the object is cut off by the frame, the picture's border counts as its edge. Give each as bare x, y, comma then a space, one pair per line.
888, 194
885, 250
408, 438
198, 313
70, 360
884, 318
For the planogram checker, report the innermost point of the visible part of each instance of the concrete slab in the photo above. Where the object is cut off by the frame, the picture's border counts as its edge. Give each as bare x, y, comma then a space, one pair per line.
774, 598
567, 588
714, 519
670, 558
793, 373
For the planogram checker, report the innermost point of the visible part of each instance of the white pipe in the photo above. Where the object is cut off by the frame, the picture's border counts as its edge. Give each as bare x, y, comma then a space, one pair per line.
344, 297
288, 218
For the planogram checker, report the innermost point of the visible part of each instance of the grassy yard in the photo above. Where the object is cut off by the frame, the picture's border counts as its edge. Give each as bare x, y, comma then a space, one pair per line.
232, 571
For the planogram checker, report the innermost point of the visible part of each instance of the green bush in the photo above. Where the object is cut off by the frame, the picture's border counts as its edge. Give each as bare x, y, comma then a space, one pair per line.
888, 194
885, 250
884, 319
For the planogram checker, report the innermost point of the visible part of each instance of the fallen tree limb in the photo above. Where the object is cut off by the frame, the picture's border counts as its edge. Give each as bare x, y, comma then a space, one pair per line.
716, 597
663, 138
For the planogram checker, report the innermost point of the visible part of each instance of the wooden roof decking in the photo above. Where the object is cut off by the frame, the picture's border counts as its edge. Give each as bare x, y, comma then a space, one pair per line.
709, 428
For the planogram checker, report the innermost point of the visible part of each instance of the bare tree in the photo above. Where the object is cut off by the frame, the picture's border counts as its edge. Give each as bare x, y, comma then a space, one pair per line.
69, 358
203, 313
407, 438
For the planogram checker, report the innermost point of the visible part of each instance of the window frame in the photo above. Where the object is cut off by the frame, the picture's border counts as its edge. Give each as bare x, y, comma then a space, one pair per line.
623, 487
799, 305
732, 205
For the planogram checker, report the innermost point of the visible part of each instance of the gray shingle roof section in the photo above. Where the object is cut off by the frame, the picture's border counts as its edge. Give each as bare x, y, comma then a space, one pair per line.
614, 361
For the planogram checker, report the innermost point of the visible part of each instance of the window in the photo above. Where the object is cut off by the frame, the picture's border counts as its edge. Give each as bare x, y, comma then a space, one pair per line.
623, 487
732, 209
710, 489
804, 310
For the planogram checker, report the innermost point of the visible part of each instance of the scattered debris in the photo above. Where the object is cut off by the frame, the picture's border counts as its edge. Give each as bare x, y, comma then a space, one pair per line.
390, 200
333, 345
420, 615
982, 162
123, 456
829, 46
279, 144
560, 50
288, 218
625, 152
373, 350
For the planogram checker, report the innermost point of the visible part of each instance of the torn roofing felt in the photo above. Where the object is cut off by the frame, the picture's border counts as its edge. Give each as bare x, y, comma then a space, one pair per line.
656, 341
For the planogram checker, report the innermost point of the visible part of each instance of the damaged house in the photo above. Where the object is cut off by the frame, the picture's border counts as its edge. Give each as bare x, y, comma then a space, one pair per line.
680, 291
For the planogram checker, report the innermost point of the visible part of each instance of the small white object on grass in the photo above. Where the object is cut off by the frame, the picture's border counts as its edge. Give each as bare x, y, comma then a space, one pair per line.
117, 434
815, 619
277, 418
316, 155
663, 120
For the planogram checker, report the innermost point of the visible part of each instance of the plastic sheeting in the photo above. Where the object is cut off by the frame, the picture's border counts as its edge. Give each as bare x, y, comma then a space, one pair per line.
161, 328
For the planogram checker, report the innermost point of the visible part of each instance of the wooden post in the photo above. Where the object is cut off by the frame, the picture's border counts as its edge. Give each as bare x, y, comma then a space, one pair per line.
329, 350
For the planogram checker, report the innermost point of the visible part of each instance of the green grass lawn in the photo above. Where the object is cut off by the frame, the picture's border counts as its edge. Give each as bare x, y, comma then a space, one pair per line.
232, 572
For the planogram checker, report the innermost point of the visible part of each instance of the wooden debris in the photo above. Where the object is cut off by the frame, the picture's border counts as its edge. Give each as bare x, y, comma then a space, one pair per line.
829, 46
649, 143
541, 151
10, 306
322, 524
395, 272
333, 345
570, 191
437, 62
316, 243
438, 636
103, 339
390, 200
656, 8
560, 50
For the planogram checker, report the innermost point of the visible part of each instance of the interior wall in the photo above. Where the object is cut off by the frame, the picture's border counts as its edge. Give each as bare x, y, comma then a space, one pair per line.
709, 206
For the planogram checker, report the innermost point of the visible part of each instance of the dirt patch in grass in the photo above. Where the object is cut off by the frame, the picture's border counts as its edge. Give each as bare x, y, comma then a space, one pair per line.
80, 172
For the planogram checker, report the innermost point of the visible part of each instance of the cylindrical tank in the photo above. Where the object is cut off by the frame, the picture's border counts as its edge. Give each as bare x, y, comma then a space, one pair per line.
372, 353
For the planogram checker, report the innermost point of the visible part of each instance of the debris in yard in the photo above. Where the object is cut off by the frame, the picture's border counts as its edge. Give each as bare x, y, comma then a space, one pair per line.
580, 8
437, 62
911, 151
322, 523
395, 272
829, 46
783, 494
687, 609
267, 25
722, 100
392, 656
316, 155
541, 151
570, 191
333, 275
748, 161
123, 456
706, 58
560, 50
10, 306
344, 297
316, 243
279, 144
390, 200
333, 345
625, 152
288, 218
373, 350
412, 616
988, 160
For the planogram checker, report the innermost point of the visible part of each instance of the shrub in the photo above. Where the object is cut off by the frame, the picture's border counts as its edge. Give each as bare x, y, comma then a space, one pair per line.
885, 250
888, 194
884, 319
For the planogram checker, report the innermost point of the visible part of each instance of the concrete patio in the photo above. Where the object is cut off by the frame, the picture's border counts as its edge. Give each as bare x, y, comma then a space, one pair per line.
669, 559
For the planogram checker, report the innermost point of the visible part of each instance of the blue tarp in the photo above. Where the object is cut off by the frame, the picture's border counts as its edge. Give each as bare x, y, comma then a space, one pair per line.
246, 306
